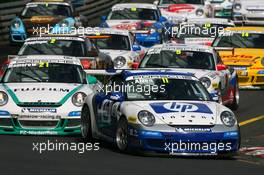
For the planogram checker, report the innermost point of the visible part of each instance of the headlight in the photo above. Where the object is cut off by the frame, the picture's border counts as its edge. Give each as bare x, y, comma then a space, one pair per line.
16, 24
199, 12
206, 82
3, 98
262, 61
146, 118
237, 6
119, 62
78, 99
228, 118
64, 23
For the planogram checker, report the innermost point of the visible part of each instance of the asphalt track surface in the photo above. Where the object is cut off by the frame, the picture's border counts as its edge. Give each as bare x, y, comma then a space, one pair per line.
18, 157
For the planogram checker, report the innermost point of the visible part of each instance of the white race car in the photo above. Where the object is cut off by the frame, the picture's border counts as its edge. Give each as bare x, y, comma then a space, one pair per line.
68, 45
120, 45
202, 61
144, 20
159, 111
248, 12
43, 95
177, 11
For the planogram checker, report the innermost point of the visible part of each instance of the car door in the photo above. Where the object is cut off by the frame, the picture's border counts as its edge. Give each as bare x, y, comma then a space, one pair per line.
107, 109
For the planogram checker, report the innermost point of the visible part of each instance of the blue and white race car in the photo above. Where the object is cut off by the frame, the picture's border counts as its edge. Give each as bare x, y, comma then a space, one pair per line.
160, 111
43, 16
144, 20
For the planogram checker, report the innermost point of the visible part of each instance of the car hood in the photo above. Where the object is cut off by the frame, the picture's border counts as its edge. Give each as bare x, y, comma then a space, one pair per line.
198, 73
183, 112
40, 92
115, 53
41, 20
199, 40
128, 24
253, 5
180, 8
241, 57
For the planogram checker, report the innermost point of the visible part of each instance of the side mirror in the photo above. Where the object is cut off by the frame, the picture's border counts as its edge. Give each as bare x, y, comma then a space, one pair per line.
135, 65
215, 98
156, 2
103, 18
91, 79
116, 96
136, 47
220, 67
162, 19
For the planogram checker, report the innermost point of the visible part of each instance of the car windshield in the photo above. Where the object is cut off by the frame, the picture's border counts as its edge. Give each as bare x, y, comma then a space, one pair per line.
163, 2
47, 10
167, 88
44, 72
113, 42
133, 14
54, 47
207, 30
241, 40
179, 59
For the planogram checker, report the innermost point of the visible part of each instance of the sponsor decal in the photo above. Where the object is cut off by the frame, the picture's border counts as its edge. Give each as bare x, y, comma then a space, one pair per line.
193, 129
39, 110
39, 117
41, 89
169, 107
38, 132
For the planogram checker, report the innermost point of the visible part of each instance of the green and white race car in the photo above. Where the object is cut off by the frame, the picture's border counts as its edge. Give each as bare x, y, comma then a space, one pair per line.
43, 95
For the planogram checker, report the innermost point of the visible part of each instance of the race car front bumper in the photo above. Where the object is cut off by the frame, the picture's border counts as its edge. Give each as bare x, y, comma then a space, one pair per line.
223, 13
15, 126
191, 143
148, 40
251, 79
248, 19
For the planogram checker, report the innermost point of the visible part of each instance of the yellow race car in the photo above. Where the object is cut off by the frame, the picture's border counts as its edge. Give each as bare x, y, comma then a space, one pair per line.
242, 48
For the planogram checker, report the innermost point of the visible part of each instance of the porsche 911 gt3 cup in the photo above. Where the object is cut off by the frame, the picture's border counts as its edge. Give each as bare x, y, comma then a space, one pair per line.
119, 45
222, 8
144, 20
249, 12
201, 31
43, 95
159, 111
242, 49
203, 62
177, 11
69, 45
43, 16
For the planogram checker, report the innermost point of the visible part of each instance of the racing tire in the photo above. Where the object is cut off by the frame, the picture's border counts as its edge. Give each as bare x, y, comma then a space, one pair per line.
235, 104
122, 135
86, 131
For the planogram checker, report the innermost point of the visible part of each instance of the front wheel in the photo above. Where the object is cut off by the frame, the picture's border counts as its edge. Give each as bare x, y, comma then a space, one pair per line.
86, 130
122, 135
235, 103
